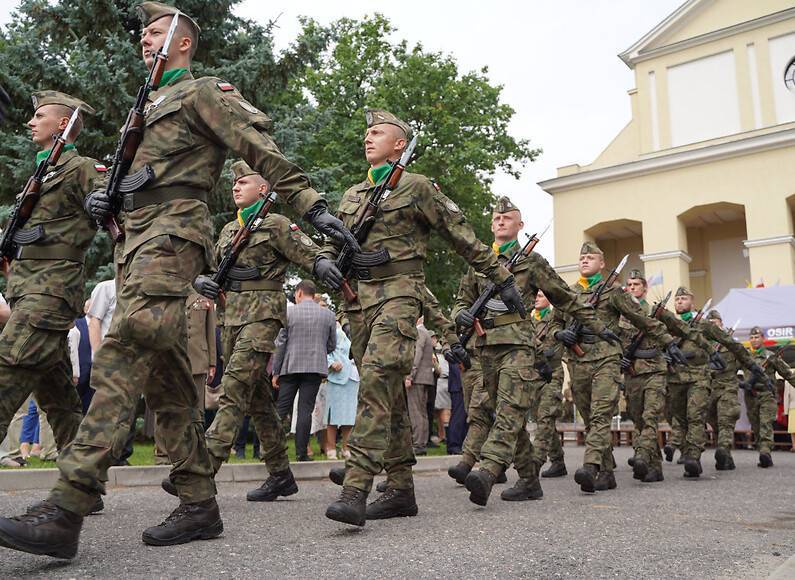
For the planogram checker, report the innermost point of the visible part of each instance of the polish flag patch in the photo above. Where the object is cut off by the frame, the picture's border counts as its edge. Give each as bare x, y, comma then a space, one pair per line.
226, 87
294, 227
100, 167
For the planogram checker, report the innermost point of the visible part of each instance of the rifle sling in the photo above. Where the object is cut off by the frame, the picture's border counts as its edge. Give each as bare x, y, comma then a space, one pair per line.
501, 320
139, 199
53, 252
248, 285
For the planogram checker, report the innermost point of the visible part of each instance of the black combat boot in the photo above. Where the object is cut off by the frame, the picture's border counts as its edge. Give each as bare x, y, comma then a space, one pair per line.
502, 477
730, 466
350, 508
278, 484
459, 472
692, 467
606, 480
524, 489
631, 461
169, 487
479, 484
556, 469
98, 506
639, 468
44, 529
765, 460
393, 503
337, 475
669, 453
681, 460
722, 456
382, 486
585, 477
190, 521
653, 476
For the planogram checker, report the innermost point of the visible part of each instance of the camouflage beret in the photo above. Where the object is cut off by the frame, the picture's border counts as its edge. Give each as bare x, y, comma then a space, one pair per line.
635, 274
432, 333
714, 315
148, 12
590, 248
241, 169
42, 98
504, 205
683, 291
379, 116
757, 330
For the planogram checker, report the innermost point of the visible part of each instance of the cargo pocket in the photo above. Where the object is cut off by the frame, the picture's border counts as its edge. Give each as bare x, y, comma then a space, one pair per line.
523, 391
157, 319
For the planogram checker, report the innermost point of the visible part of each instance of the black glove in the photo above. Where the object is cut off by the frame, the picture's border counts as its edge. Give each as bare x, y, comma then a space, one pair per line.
757, 370
567, 337
717, 360
625, 363
511, 298
327, 272
609, 336
330, 226
458, 355
746, 386
5, 104
346, 329
97, 205
676, 354
206, 287
464, 319
668, 359
544, 370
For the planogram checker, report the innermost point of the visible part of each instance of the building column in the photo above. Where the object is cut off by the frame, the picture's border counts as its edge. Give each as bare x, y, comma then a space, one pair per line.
772, 260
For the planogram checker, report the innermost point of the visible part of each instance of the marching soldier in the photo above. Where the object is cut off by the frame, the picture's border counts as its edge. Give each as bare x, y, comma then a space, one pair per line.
190, 124
391, 295
47, 276
760, 402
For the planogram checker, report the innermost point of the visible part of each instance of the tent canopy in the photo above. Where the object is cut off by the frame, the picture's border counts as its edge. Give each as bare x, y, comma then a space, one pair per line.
771, 308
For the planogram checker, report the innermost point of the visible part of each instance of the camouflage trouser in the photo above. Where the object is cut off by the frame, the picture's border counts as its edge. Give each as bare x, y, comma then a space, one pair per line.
594, 385
689, 408
246, 389
677, 437
474, 396
145, 350
160, 456
723, 410
761, 407
499, 406
381, 437
645, 403
34, 358
547, 407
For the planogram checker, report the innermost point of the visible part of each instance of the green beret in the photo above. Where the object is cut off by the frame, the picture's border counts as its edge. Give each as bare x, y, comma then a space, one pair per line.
714, 315
241, 169
635, 274
148, 12
42, 98
757, 330
590, 248
504, 205
683, 291
379, 117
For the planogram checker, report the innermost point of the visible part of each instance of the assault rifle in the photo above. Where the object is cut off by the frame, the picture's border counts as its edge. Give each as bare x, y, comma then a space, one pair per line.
639, 336
490, 291
366, 219
593, 300
697, 318
749, 384
27, 200
119, 182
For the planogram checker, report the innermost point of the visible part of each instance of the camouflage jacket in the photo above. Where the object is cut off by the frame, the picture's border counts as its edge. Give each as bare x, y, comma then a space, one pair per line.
59, 212
693, 344
546, 348
403, 227
649, 357
530, 273
613, 304
775, 365
270, 249
733, 353
190, 125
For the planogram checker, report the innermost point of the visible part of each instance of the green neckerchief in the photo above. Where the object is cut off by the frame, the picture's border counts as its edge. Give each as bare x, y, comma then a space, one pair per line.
245, 213
687, 316
42, 155
643, 302
376, 175
590, 282
760, 350
540, 314
171, 75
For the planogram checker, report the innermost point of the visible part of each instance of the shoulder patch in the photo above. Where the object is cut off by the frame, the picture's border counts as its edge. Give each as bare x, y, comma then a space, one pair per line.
224, 86
249, 107
450, 204
306, 241
100, 167
436, 185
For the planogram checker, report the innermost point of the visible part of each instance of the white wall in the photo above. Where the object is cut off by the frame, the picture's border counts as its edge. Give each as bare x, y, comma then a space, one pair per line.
781, 50
702, 96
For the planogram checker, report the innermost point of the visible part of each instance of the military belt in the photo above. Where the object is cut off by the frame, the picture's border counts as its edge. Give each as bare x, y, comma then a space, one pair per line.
501, 320
247, 285
139, 199
53, 252
588, 338
395, 268
647, 353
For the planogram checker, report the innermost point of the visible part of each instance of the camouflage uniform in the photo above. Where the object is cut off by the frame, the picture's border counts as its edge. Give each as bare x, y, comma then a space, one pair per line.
390, 301
45, 291
761, 403
548, 405
189, 125
255, 311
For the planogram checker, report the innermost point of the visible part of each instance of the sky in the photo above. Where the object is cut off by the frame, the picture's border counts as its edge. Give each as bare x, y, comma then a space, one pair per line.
556, 61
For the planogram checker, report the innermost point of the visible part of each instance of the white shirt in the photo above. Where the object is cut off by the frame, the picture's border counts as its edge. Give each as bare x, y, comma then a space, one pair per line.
103, 303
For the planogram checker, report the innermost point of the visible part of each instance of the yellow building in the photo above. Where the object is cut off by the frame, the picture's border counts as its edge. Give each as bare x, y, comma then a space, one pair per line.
700, 185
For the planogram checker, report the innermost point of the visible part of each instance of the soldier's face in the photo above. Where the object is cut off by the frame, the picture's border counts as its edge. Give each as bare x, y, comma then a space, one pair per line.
506, 226
636, 287
45, 123
541, 301
717, 322
383, 143
248, 189
683, 303
590, 264
756, 340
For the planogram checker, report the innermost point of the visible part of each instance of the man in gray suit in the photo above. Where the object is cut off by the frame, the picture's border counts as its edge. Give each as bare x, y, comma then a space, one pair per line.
300, 364
417, 385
